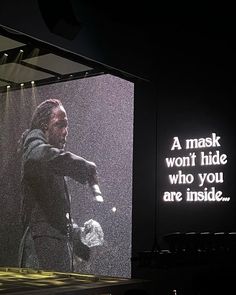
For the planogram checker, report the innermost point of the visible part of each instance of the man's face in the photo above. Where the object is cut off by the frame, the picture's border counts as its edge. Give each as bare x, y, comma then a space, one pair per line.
57, 129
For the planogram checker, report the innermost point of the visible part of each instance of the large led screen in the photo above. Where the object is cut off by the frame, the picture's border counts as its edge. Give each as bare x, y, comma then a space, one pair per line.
100, 129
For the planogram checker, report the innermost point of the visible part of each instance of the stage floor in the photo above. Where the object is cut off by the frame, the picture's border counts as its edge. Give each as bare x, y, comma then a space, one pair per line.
30, 281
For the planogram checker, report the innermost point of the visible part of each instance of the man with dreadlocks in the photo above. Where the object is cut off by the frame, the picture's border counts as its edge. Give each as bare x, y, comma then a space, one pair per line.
46, 216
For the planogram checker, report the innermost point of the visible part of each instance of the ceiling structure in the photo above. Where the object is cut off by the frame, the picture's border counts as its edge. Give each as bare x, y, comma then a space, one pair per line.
150, 43
24, 61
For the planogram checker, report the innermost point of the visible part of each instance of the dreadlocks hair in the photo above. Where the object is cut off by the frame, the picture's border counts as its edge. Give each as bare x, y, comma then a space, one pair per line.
42, 113
40, 119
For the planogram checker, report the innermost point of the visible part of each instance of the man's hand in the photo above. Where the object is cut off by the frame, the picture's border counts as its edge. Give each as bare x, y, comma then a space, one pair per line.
93, 182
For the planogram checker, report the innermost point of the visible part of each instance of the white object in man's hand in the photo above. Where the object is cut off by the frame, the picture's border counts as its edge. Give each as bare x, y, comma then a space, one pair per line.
99, 198
97, 193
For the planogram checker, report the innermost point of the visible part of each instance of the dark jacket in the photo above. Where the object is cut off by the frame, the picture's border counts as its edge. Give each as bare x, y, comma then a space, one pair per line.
46, 202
